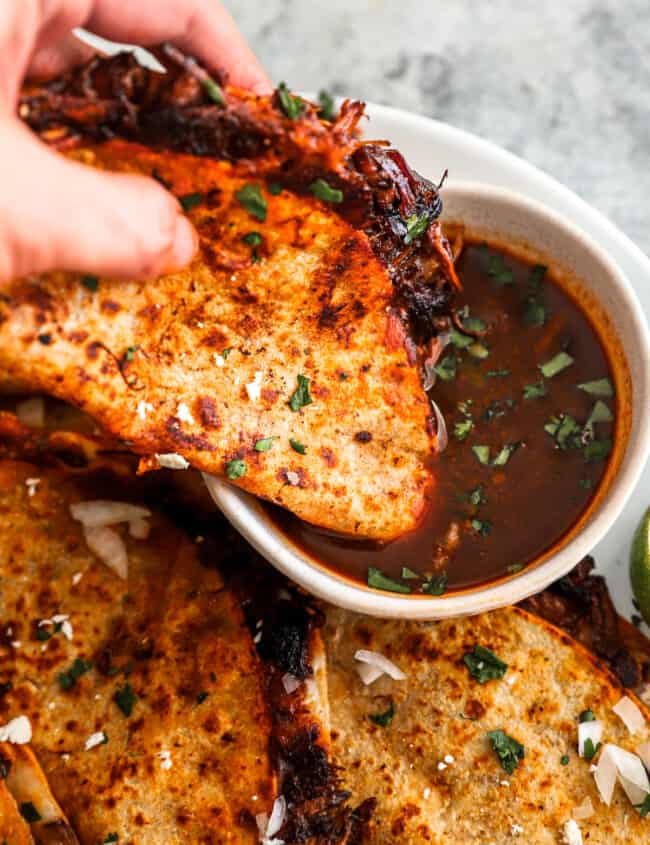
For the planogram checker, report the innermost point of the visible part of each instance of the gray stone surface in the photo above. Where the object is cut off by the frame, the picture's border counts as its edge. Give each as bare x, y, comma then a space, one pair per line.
565, 85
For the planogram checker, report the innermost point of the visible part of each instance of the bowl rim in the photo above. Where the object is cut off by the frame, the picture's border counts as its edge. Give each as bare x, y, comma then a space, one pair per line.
248, 516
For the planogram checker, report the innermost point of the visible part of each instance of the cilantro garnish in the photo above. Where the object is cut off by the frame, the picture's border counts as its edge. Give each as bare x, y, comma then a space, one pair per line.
482, 454
415, 226
68, 679
586, 483
508, 750
324, 191
301, 396
327, 109
497, 373
215, 93
200, 698
537, 276
484, 665
383, 719
462, 429
250, 196
436, 585
534, 312
481, 526
556, 364
476, 497
460, 341
597, 450
274, 188
292, 105
90, 282
600, 387
586, 716
499, 271
515, 567
125, 699
446, 369
408, 574
504, 454
380, 581
236, 469
589, 750
536, 390
297, 446
29, 812
112, 837
264, 444
129, 355
252, 239
190, 201
564, 760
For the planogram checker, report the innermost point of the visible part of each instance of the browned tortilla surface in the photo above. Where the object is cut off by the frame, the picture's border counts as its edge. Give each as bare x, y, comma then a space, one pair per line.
171, 639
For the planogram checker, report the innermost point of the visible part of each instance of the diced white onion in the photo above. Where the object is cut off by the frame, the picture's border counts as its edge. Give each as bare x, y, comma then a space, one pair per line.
268, 827
441, 428
100, 512
172, 460
139, 528
643, 751
18, 731
617, 762
109, 547
31, 412
584, 810
630, 715
290, 683
589, 730
387, 667
572, 834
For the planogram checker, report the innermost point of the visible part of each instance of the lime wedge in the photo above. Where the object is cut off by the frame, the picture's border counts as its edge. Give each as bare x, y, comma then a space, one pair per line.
640, 566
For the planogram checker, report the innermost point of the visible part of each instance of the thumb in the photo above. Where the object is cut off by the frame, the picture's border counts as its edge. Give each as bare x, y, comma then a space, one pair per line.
56, 214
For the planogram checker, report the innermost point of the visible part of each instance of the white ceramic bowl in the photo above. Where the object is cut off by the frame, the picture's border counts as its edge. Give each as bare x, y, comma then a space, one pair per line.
596, 280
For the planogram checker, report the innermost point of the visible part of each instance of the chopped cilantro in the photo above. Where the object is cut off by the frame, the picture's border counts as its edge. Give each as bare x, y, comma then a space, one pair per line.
600, 413
586, 716
535, 391
534, 312
274, 188
226, 352
482, 454
327, 110
90, 282
68, 679
264, 444
515, 567
129, 355
462, 429
564, 760
482, 527
589, 750
508, 750
499, 271
537, 276
474, 324
476, 497
600, 387
215, 93
460, 341
111, 837
297, 446
556, 364
497, 373
415, 226
436, 585
322, 190
383, 719
250, 196
380, 581
29, 812
200, 698
597, 450
301, 396
292, 105
125, 699
504, 454
252, 239
446, 369
484, 665
236, 469
408, 574
190, 201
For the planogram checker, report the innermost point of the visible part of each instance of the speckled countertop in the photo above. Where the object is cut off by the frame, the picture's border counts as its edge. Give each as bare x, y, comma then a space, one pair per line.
565, 85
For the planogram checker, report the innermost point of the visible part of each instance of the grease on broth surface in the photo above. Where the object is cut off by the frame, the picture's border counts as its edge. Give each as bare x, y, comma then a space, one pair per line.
530, 415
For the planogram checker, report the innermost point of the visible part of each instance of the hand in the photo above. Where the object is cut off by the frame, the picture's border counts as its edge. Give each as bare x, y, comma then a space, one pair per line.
58, 214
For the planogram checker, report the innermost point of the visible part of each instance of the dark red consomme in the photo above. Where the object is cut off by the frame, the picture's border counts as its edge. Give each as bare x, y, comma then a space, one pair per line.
495, 511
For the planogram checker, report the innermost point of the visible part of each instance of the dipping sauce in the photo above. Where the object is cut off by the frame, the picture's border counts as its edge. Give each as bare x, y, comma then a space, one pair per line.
528, 399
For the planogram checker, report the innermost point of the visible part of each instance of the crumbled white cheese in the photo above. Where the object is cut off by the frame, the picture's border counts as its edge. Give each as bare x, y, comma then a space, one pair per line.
516, 829
449, 759
66, 630
76, 578
62, 619
572, 834
184, 414
442, 767
254, 388
172, 460
219, 360
18, 731
293, 478
144, 408
165, 758
504, 783
16, 643
95, 739
426, 793
32, 485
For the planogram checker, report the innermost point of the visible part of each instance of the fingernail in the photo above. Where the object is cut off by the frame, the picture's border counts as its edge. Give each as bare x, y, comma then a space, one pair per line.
186, 243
